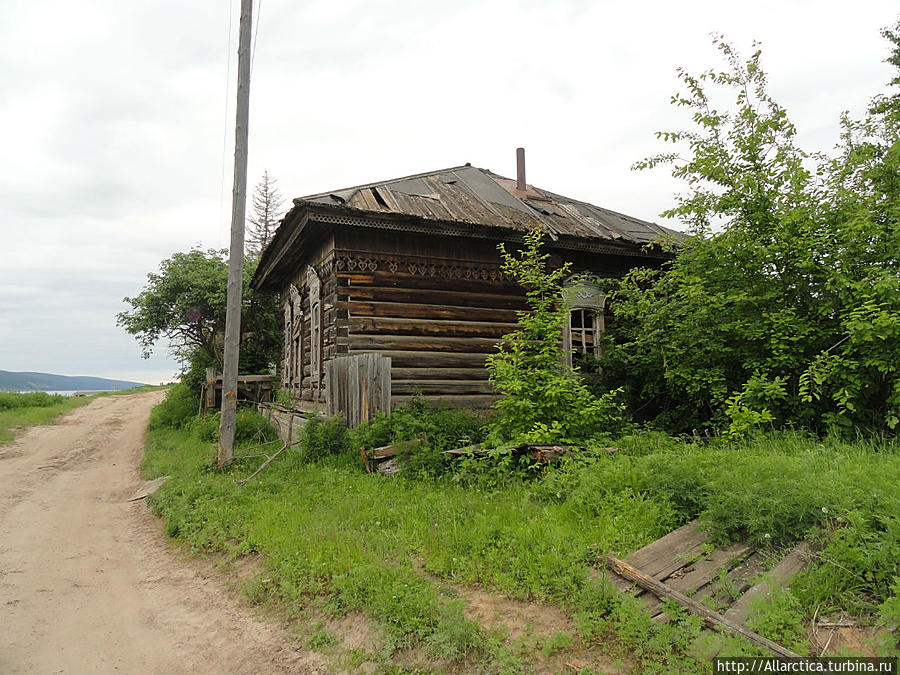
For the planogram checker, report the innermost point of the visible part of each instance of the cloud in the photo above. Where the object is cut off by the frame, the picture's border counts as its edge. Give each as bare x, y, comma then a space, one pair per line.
119, 122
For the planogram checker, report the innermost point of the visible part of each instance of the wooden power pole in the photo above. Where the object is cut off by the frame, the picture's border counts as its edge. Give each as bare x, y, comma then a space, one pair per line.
236, 259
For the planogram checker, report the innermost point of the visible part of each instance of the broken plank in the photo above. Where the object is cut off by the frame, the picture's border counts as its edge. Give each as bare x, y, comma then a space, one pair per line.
780, 575
391, 450
703, 571
710, 618
148, 488
670, 553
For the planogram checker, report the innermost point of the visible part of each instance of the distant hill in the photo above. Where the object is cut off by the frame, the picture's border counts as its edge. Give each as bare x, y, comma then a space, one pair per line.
46, 382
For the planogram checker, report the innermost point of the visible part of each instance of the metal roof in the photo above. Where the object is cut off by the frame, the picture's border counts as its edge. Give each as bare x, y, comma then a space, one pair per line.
468, 194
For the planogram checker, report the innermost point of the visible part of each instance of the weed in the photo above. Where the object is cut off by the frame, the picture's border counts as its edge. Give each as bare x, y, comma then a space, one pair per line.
779, 617
321, 637
559, 641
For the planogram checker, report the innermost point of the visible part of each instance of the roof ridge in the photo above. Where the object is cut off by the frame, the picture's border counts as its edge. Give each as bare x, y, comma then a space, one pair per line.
390, 180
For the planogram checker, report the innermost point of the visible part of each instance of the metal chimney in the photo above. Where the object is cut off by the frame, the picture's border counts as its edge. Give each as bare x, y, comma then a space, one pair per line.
520, 170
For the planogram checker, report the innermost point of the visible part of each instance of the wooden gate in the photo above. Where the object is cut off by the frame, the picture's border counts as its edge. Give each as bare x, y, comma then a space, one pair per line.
357, 387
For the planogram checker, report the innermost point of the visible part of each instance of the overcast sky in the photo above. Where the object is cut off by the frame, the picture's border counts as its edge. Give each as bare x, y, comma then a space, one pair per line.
118, 118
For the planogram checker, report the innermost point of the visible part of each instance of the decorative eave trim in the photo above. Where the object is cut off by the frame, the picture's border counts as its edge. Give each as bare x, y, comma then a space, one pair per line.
306, 214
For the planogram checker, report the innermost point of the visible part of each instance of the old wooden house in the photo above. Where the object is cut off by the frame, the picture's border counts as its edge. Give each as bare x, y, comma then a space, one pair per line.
409, 268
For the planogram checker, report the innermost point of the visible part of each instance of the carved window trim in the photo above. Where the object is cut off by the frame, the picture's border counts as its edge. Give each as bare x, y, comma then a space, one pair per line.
314, 289
586, 302
296, 343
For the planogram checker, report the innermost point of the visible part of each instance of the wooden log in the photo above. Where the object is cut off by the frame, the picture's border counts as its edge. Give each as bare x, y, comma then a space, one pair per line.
419, 296
401, 387
450, 401
435, 359
357, 308
371, 325
387, 279
425, 344
712, 619
419, 374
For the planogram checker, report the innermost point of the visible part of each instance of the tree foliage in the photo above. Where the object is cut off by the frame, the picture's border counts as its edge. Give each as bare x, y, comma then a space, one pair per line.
543, 400
184, 303
265, 212
783, 306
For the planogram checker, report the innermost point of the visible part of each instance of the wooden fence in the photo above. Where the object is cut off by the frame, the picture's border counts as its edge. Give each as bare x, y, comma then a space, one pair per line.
358, 386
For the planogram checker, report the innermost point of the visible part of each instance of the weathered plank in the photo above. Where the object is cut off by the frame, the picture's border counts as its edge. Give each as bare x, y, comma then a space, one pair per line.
672, 552
426, 311
693, 577
414, 343
712, 619
780, 575
358, 386
736, 581
440, 327
401, 387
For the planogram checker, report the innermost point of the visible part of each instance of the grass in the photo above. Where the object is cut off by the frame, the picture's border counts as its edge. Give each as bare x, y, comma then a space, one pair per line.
333, 537
19, 411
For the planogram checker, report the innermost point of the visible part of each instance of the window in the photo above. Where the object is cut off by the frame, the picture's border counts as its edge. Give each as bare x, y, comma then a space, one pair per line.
315, 327
586, 302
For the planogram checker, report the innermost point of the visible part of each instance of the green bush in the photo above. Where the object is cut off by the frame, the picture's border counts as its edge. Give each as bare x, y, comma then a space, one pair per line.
542, 399
322, 438
177, 410
250, 427
37, 399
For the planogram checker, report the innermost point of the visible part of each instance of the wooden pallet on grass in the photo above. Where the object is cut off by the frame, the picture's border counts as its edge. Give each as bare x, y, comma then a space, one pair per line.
684, 568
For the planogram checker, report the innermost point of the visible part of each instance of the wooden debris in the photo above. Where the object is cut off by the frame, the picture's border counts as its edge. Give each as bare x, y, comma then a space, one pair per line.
262, 466
147, 488
712, 619
384, 459
780, 575
477, 449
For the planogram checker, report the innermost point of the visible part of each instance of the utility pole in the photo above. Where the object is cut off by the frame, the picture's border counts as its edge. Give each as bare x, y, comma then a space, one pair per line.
236, 259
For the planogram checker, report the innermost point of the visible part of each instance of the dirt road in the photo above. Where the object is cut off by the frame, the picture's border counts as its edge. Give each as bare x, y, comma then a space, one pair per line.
88, 581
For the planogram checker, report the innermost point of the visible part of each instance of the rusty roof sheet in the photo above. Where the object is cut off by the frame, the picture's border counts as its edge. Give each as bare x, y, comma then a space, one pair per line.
471, 195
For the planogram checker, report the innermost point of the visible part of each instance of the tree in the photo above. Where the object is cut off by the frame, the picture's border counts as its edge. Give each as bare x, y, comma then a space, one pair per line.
265, 214
542, 399
783, 304
185, 304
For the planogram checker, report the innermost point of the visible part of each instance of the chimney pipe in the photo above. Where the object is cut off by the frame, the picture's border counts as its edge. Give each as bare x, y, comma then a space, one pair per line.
520, 170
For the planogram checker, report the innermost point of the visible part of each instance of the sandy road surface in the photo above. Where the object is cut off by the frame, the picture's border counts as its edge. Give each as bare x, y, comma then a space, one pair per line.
88, 582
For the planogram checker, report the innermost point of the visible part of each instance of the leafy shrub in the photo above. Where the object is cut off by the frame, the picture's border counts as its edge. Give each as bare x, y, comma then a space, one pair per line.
38, 399
323, 437
179, 406
542, 399
250, 427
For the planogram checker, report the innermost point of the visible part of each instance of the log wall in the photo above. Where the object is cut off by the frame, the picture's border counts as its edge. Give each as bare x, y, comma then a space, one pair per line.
436, 306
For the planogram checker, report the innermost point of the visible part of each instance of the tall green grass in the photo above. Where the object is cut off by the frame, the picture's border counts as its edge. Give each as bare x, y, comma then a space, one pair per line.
18, 411
330, 533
